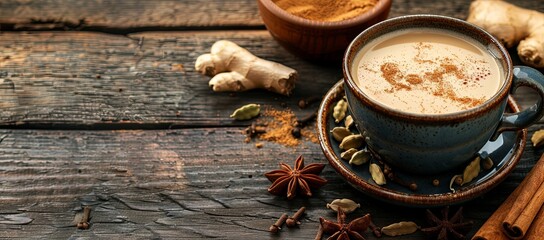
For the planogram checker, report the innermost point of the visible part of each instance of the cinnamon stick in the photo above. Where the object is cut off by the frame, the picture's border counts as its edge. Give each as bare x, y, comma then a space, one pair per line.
516, 225
514, 206
536, 232
491, 230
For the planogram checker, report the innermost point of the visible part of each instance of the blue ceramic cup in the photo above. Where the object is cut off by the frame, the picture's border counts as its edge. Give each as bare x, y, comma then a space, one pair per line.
434, 143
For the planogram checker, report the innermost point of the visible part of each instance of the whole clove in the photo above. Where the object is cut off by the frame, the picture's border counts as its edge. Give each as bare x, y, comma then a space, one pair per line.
293, 221
375, 229
301, 123
391, 176
319, 234
274, 228
84, 223
296, 132
252, 131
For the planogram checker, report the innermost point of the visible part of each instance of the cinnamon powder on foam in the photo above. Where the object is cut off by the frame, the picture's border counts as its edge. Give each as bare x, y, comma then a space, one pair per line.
392, 74
326, 10
280, 123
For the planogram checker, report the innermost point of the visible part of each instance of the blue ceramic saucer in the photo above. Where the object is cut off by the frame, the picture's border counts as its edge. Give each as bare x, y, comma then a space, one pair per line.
505, 152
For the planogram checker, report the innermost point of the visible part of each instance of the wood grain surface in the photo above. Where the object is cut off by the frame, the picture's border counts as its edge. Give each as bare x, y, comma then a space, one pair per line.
88, 80
186, 183
101, 106
131, 15
136, 15
83, 79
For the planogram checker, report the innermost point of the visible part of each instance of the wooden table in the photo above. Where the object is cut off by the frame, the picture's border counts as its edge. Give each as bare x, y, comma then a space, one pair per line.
101, 107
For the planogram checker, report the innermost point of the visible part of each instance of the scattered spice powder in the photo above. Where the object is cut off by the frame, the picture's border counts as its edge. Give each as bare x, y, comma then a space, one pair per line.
393, 75
279, 124
309, 134
420, 48
413, 79
326, 10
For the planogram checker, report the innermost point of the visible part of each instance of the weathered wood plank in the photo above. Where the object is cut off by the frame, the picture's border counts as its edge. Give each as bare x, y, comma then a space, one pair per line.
172, 184
133, 15
145, 80
457, 9
81, 79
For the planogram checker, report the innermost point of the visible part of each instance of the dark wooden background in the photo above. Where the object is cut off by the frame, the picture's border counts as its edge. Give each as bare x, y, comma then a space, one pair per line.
100, 106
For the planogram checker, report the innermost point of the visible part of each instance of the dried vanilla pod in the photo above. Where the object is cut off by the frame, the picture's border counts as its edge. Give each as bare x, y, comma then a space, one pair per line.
348, 122
246, 112
339, 133
352, 141
360, 157
347, 205
339, 110
538, 138
487, 163
471, 171
347, 155
400, 228
377, 174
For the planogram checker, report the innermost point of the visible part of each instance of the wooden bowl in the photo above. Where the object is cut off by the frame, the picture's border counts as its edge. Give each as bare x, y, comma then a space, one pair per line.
318, 40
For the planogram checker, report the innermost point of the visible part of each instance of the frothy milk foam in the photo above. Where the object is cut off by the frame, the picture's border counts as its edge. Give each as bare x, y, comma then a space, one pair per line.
427, 71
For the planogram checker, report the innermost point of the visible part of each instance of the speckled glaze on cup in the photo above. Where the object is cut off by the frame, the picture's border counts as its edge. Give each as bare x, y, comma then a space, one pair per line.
430, 144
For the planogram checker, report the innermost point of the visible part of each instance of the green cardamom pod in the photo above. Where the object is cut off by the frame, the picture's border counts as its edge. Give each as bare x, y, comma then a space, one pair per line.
339, 133
400, 228
377, 174
339, 110
246, 112
348, 153
471, 171
352, 141
360, 157
487, 163
538, 138
347, 205
348, 122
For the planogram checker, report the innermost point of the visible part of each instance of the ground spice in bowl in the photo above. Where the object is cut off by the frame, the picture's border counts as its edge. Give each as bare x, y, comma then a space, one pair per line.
326, 10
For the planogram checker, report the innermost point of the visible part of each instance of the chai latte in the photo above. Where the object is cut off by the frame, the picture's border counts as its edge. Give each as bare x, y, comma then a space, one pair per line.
427, 71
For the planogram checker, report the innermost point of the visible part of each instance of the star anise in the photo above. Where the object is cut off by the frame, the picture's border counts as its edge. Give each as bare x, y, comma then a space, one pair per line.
446, 227
301, 178
341, 230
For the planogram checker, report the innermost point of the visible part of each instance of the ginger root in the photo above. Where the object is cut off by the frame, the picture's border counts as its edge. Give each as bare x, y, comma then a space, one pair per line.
512, 25
235, 69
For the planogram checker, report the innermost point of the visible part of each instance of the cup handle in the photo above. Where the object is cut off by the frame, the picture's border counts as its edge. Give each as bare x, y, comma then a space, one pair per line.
529, 77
